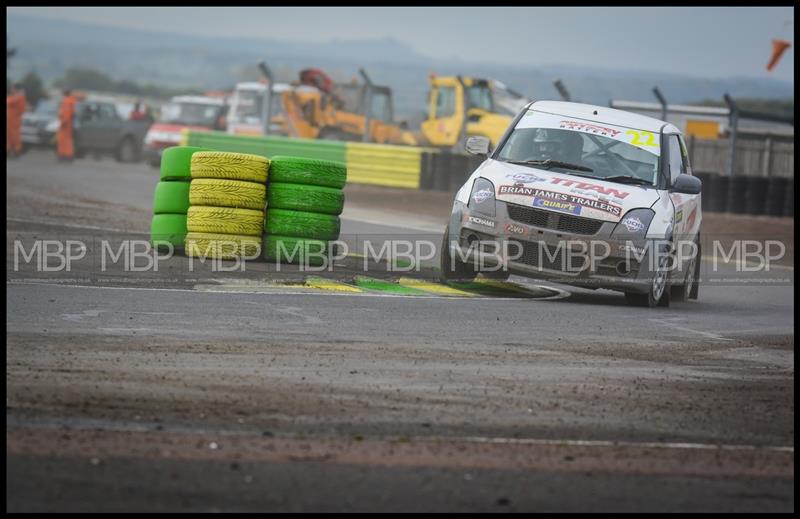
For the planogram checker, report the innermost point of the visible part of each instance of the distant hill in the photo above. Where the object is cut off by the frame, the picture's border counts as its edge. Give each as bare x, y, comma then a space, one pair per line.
50, 47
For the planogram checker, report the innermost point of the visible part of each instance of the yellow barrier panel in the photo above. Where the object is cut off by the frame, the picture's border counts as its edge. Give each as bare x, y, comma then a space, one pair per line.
330, 284
383, 165
434, 288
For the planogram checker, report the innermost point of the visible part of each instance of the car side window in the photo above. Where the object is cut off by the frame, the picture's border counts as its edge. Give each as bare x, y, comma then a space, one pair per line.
107, 112
675, 159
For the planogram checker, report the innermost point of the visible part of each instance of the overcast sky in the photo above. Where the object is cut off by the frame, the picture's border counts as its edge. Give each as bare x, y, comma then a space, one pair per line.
706, 41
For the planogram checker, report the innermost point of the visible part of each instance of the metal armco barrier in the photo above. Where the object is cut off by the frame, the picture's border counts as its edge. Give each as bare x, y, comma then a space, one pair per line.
705, 178
737, 194
718, 193
756, 194
788, 201
776, 195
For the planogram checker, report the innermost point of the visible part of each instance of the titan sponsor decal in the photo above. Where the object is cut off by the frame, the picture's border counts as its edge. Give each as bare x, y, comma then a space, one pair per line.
512, 228
560, 197
481, 221
579, 184
482, 195
557, 205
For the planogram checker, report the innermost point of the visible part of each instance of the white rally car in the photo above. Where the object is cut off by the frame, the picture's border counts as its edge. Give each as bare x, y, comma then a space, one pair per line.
583, 195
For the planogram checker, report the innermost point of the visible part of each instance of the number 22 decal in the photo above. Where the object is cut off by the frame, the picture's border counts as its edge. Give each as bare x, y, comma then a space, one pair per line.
637, 138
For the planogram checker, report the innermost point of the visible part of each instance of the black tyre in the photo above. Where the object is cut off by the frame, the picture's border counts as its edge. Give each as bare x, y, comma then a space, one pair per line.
657, 295
127, 151
684, 291
452, 269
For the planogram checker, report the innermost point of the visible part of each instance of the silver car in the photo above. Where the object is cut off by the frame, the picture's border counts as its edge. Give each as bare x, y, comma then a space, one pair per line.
583, 195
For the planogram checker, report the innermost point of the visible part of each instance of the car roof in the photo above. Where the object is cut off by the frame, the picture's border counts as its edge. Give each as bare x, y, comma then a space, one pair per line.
604, 114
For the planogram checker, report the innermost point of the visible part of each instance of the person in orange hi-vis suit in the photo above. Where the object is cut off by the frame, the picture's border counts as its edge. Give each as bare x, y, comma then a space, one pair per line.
15, 107
66, 113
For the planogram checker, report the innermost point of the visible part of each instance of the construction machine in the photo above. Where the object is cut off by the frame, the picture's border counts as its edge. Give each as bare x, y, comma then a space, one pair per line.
316, 108
461, 107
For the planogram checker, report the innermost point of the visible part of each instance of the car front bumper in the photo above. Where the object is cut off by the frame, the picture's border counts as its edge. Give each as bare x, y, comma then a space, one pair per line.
550, 251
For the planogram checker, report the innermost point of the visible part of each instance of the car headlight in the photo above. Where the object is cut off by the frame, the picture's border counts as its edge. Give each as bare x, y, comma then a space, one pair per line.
634, 224
481, 199
52, 126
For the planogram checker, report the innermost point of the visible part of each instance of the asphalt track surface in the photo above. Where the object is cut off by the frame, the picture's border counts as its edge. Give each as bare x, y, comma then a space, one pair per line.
206, 396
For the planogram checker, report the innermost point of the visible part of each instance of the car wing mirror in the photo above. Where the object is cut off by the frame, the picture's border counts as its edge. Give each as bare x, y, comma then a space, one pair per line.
687, 185
477, 145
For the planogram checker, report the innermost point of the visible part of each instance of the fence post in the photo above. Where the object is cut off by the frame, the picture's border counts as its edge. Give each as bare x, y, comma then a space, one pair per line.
767, 164
733, 128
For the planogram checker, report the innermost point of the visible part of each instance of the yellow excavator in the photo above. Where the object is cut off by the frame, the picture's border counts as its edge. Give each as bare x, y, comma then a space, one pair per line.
317, 108
461, 107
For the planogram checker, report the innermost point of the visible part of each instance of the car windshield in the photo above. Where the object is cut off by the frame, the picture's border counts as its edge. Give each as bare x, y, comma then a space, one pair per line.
248, 106
196, 114
597, 150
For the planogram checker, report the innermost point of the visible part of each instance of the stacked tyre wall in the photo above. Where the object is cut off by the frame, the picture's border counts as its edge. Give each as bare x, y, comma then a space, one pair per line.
215, 204
226, 204
433, 170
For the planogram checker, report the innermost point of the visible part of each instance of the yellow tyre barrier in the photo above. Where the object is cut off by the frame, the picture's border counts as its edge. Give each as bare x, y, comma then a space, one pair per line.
222, 246
227, 193
225, 220
229, 166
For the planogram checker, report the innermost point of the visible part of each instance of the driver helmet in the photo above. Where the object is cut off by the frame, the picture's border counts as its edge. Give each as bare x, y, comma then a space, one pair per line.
547, 145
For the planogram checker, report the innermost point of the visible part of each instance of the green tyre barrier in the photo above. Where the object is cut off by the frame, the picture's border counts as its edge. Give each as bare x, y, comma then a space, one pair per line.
171, 198
302, 224
230, 166
225, 220
227, 193
222, 246
313, 172
168, 228
287, 249
298, 197
176, 162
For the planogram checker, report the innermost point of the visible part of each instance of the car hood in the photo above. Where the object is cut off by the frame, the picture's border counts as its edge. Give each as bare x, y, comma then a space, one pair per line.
564, 193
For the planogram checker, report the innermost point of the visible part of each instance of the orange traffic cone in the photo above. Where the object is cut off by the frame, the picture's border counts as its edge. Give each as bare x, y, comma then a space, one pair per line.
778, 48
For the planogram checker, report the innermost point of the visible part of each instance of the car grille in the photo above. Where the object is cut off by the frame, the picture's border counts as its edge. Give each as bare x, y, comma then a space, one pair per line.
535, 255
553, 220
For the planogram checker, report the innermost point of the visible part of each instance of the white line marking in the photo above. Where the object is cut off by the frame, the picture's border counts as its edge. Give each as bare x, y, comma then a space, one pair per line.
601, 443
72, 226
670, 323
739, 264
308, 292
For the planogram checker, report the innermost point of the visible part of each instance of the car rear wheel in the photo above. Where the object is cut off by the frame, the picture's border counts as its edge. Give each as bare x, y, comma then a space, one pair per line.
127, 150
